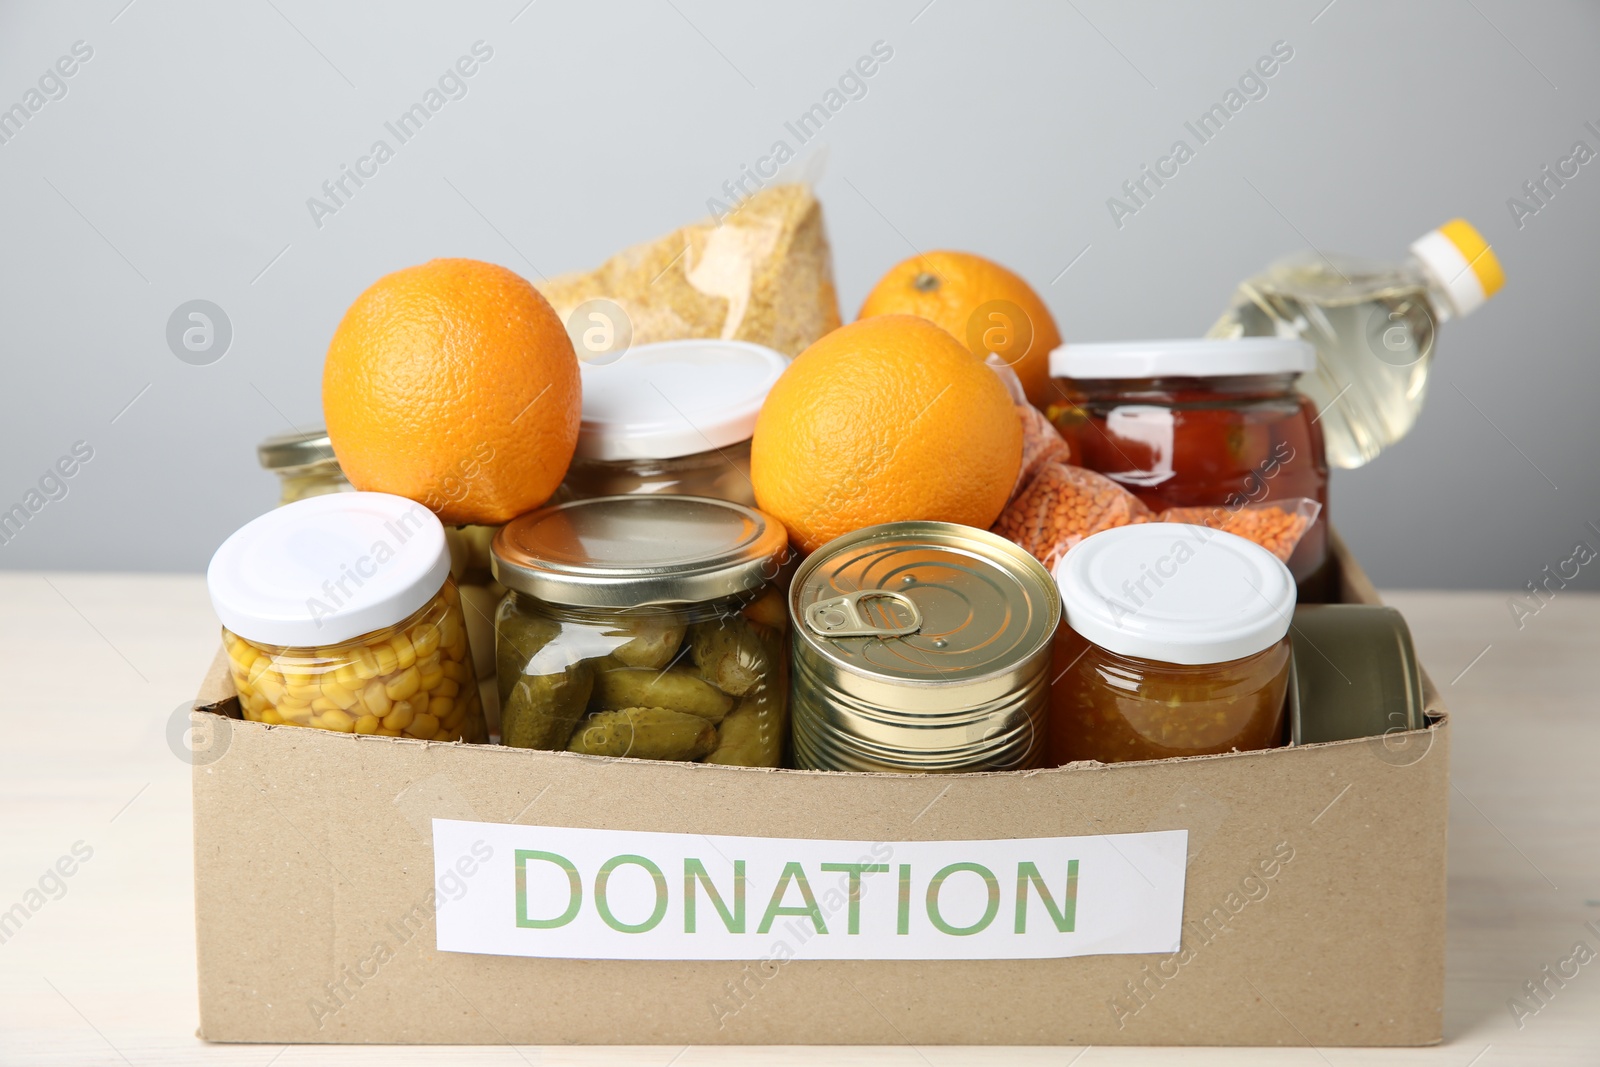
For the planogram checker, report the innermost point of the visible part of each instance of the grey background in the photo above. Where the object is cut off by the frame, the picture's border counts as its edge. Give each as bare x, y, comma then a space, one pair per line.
178, 166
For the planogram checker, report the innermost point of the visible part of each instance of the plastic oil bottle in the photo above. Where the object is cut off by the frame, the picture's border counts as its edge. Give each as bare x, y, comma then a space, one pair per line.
1373, 325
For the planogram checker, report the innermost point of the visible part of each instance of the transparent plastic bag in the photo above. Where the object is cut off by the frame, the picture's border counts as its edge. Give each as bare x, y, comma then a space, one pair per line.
1275, 525
762, 273
1063, 504
1042, 443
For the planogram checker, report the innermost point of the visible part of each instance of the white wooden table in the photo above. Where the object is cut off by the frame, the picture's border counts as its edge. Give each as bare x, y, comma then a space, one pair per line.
92, 668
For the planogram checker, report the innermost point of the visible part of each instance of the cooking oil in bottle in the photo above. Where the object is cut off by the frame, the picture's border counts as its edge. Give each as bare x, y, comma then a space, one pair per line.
1373, 325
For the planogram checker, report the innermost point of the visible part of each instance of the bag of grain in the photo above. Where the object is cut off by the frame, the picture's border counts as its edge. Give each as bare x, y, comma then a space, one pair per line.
763, 273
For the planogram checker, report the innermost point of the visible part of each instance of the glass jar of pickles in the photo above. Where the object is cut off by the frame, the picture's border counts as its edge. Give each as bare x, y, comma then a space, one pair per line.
1174, 644
672, 417
304, 463
644, 626
339, 613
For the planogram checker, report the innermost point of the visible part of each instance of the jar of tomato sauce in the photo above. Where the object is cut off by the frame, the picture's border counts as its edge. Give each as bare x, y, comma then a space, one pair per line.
1175, 643
1200, 422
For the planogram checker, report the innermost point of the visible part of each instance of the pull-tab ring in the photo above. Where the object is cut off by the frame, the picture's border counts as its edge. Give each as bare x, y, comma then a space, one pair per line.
842, 616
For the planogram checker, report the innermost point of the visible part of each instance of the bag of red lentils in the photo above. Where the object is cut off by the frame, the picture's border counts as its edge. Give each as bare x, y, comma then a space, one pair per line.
1275, 525
1061, 505
1042, 443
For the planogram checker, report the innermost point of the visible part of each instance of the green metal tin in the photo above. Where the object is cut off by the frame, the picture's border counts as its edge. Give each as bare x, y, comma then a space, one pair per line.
1356, 673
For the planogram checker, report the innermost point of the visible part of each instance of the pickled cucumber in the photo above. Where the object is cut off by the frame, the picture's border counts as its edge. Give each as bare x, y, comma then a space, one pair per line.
644, 733
536, 710
655, 646
730, 653
517, 637
677, 689
751, 735
543, 709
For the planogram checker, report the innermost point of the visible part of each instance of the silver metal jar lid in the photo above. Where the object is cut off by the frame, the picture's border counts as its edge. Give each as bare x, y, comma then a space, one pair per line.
924, 604
285, 451
638, 551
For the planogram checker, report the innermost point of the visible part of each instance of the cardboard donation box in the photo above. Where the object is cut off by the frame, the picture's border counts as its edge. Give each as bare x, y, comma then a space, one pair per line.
373, 889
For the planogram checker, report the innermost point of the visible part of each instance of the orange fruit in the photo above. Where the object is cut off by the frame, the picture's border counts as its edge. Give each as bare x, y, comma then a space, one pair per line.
883, 420
983, 304
454, 383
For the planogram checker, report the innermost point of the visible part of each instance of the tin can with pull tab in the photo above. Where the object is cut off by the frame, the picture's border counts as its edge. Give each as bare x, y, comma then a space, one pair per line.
921, 647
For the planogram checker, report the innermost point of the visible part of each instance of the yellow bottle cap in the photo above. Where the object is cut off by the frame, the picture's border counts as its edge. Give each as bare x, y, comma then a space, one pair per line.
1462, 262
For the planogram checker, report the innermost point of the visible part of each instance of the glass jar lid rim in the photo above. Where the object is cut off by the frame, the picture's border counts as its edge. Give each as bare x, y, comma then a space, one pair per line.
1191, 357
296, 448
645, 550
668, 399
327, 569
1176, 593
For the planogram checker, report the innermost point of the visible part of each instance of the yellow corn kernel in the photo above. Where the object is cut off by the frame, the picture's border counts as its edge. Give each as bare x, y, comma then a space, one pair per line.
453, 720
270, 686
295, 672
404, 684
388, 662
375, 699
321, 704
271, 718
401, 716
405, 652
423, 725
305, 693
430, 679
444, 735
345, 698
384, 731
350, 676
365, 664
251, 714
335, 720
424, 639
258, 666
445, 687
449, 629
440, 707
457, 650
454, 671
367, 724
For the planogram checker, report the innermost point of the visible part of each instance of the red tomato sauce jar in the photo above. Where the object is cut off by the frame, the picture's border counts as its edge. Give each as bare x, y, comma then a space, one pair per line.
1200, 422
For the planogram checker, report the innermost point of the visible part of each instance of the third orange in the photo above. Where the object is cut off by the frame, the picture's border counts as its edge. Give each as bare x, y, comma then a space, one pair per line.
986, 306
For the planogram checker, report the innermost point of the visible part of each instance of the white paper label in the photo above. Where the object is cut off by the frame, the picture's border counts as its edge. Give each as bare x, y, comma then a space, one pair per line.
510, 890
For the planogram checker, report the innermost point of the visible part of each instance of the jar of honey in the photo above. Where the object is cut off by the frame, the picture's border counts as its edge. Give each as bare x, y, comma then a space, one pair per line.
1175, 643
1190, 423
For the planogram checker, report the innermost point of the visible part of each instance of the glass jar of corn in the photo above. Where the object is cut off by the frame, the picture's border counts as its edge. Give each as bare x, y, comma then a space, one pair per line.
339, 613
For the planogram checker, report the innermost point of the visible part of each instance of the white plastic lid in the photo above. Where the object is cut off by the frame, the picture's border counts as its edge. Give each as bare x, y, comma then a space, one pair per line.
675, 398
1176, 593
328, 569
1190, 357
